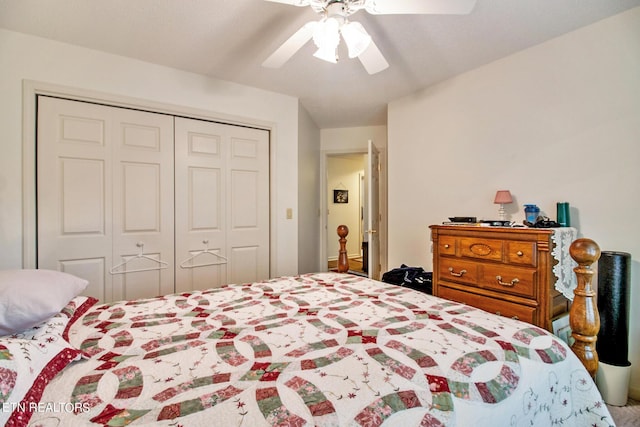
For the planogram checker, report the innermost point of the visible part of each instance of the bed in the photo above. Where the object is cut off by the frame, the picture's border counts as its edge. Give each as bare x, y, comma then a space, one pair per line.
325, 349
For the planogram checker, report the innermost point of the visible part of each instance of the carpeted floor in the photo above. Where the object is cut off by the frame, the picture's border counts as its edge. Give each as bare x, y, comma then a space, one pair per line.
626, 416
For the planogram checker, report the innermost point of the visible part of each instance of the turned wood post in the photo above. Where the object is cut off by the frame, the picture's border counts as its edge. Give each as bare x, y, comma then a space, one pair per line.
583, 316
343, 260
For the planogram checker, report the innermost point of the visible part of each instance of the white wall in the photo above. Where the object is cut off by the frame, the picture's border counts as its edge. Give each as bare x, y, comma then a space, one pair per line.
32, 58
353, 138
309, 189
557, 122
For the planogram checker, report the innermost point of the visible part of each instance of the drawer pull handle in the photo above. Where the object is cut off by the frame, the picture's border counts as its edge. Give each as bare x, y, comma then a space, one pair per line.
446, 246
514, 317
456, 274
519, 253
508, 284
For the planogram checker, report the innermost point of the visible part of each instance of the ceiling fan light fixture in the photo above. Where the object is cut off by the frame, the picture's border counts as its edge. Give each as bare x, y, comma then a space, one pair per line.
356, 38
328, 55
334, 22
326, 37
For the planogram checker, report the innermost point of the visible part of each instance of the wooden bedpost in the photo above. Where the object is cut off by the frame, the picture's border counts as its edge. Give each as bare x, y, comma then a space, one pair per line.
583, 315
343, 260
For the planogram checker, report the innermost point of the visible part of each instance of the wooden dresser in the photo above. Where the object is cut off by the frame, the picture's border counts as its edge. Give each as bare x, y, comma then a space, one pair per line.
507, 271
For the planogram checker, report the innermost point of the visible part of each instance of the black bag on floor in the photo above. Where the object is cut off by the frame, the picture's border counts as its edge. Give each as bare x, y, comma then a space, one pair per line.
411, 277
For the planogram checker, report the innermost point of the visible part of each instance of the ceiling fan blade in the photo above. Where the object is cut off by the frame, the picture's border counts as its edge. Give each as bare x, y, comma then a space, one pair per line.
291, 46
453, 7
292, 2
372, 59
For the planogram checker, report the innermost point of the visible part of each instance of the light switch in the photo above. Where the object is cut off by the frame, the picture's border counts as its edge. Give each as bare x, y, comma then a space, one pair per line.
289, 213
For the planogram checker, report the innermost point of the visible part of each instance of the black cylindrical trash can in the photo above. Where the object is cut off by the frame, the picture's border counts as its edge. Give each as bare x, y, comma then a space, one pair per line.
614, 272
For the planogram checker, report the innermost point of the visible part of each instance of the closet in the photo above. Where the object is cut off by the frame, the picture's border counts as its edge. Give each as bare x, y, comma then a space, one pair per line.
144, 204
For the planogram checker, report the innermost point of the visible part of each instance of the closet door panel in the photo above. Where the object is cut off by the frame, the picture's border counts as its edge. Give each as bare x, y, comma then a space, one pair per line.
141, 137
200, 196
205, 217
83, 197
186, 201
203, 145
203, 271
92, 269
245, 264
245, 200
105, 184
204, 198
143, 284
141, 207
74, 190
248, 204
143, 203
222, 204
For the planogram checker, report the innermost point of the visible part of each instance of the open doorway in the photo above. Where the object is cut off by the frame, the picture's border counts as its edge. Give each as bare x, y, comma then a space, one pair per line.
346, 204
344, 173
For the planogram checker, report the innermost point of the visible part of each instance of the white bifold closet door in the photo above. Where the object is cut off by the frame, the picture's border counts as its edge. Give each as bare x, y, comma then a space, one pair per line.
105, 195
116, 185
222, 204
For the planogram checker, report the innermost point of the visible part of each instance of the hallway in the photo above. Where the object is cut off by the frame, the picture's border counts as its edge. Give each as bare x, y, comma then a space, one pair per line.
355, 266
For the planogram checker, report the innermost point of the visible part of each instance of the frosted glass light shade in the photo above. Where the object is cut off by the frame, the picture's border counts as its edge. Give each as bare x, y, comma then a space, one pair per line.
356, 38
327, 54
326, 37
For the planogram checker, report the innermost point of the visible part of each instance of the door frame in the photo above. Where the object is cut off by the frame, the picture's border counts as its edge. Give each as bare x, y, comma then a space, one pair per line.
324, 154
30, 91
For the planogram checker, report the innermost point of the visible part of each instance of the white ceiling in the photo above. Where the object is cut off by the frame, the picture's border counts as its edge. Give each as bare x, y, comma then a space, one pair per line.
229, 39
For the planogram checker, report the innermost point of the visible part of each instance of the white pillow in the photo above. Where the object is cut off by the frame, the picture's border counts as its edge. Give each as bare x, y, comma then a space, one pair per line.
29, 297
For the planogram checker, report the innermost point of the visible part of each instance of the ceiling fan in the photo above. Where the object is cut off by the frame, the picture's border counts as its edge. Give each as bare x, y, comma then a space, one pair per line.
335, 21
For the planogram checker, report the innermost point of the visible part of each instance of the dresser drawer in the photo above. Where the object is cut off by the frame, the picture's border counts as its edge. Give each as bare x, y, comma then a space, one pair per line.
447, 245
457, 270
486, 249
521, 253
508, 280
491, 305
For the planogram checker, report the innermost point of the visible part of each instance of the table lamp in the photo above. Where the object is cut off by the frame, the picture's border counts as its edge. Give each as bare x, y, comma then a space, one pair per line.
503, 197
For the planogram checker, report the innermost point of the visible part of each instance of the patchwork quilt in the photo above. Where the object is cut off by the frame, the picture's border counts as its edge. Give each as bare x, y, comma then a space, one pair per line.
314, 350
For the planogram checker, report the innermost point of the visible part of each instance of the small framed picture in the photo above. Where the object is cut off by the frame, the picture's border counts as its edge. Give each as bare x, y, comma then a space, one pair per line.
340, 196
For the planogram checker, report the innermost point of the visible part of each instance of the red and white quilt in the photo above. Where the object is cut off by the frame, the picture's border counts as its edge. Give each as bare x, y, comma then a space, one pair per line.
319, 349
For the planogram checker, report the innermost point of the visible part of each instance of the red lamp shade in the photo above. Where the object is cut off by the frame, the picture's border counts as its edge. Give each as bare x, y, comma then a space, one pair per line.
503, 197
